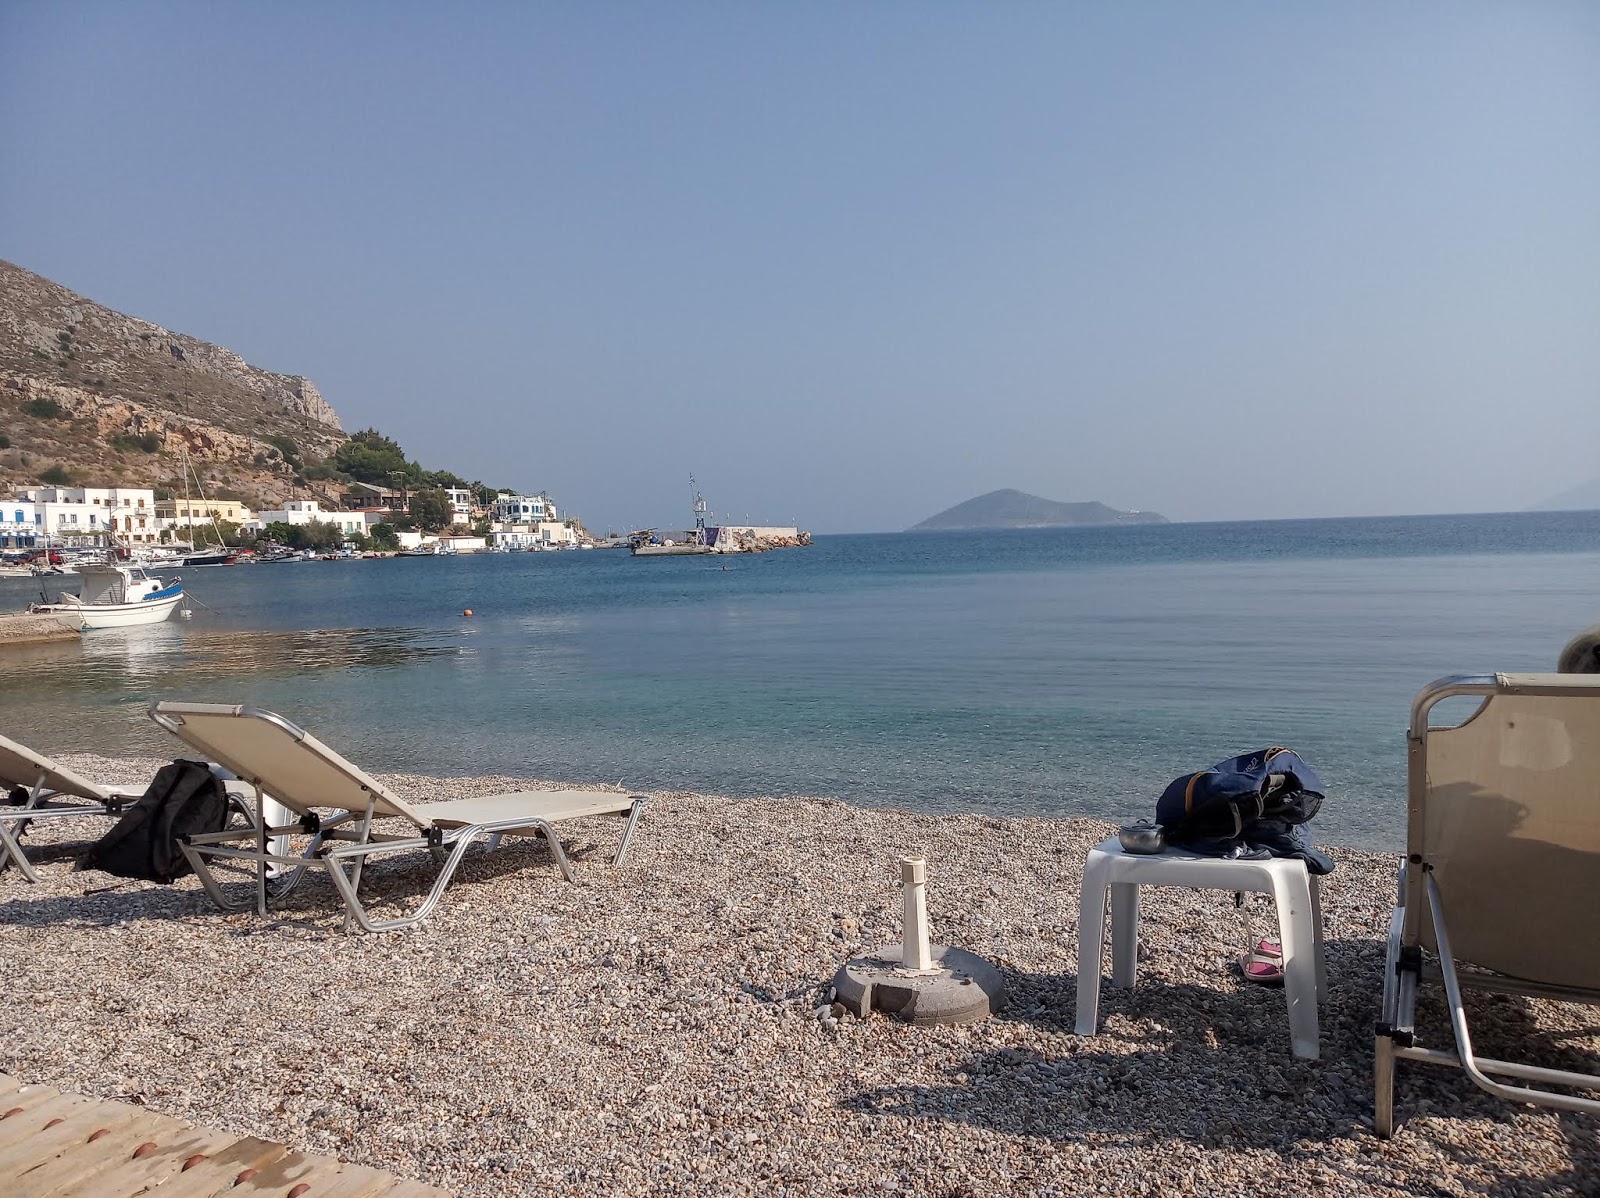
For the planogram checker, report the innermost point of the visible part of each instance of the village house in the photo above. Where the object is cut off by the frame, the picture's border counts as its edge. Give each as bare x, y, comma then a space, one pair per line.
309, 511
184, 514
84, 515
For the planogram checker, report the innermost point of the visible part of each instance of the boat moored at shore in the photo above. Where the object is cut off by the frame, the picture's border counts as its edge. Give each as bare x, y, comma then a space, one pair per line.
114, 597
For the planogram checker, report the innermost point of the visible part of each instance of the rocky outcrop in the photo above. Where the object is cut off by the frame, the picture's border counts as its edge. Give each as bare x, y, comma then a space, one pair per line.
110, 398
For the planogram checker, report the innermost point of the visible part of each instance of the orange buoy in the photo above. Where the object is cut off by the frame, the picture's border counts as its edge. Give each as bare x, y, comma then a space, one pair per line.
467, 612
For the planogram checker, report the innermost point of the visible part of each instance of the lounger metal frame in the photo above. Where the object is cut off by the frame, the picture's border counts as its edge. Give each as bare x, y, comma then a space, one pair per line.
1404, 969
342, 849
44, 803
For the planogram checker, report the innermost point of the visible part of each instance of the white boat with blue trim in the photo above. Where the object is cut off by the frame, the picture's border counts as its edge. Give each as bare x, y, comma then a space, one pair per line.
114, 597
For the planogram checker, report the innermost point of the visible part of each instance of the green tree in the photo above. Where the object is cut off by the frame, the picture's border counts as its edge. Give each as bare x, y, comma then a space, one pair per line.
284, 533
370, 457
289, 450
56, 476
384, 536
323, 534
205, 534
5, 441
431, 510
44, 409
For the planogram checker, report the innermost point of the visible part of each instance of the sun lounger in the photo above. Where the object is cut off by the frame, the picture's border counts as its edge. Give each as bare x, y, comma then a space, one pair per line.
312, 780
51, 790
1501, 883
55, 792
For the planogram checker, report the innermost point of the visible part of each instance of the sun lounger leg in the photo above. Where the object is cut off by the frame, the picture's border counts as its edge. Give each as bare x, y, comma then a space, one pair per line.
11, 850
634, 813
1389, 1021
208, 880
554, 842
356, 911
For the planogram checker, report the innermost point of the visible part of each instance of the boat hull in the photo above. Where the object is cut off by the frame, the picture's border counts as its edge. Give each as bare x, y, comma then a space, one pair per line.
86, 616
671, 550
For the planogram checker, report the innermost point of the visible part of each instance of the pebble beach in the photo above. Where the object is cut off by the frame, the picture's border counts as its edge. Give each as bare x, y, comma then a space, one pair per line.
665, 1027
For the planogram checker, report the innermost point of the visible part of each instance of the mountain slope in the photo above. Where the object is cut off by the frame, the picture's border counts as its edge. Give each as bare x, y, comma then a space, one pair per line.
1018, 509
1585, 497
111, 398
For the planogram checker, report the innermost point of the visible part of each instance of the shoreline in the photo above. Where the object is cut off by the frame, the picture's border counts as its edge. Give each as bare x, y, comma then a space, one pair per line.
652, 1029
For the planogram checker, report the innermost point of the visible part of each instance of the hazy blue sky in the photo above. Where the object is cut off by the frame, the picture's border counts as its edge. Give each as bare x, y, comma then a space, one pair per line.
851, 263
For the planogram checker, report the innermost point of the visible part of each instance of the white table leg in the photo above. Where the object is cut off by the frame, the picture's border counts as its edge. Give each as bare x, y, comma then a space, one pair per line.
1091, 942
1293, 901
1316, 928
1124, 934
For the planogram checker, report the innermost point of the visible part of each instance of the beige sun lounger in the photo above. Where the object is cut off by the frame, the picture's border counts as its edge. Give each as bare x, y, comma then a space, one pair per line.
311, 780
47, 784
1501, 883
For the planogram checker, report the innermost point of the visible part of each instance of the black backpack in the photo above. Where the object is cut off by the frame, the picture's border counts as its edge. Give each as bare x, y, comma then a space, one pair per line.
184, 797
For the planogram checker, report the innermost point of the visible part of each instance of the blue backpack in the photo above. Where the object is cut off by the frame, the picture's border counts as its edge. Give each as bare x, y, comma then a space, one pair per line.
1223, 802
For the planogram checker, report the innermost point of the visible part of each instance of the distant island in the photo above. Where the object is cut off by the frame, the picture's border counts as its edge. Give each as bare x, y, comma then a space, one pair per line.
1018, 509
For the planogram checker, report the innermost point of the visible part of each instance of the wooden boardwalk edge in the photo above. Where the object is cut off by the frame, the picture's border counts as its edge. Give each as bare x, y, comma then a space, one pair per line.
59, 1145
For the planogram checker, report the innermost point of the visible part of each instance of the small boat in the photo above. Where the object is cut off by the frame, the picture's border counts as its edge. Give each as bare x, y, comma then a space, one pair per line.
114, 597
225, 557
645, 542
670, 548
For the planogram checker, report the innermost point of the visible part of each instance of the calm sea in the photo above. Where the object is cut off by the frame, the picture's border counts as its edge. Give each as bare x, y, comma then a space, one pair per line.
1066, 671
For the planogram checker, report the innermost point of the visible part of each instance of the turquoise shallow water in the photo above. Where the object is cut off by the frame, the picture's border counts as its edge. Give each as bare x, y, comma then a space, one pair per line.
1065, 671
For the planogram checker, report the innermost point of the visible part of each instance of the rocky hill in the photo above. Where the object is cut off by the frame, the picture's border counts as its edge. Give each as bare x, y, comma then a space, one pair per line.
108, 399
1018, 509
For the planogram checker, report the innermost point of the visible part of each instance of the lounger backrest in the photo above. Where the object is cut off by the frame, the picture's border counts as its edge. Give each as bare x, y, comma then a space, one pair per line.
290, 764
21, 766
1510, 825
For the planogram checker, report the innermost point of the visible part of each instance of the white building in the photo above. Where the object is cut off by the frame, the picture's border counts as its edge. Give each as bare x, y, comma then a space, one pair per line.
21, 524
521, 509
546, 534
86, 515
309, 511
460, 504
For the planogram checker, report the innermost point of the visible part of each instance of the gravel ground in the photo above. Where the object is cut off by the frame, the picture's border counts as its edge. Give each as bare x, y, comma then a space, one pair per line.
654, 1029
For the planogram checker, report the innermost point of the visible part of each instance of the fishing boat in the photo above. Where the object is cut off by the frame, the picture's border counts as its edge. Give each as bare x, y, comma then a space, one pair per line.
648, 543
114, 597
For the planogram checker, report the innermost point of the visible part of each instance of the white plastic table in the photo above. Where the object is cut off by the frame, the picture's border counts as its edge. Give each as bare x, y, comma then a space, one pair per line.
1111, 871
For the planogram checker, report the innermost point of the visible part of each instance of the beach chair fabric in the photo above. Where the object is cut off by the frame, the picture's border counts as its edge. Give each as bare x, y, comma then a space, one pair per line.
311, 780
1501, 882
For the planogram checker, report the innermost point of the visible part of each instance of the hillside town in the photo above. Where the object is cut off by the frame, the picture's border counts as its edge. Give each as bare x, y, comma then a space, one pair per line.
35, 520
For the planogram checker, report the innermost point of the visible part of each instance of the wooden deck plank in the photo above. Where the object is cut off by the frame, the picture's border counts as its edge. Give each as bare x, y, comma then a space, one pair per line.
126, 1126
18, 1131
215, 1175
353, 1181
62, 1162
26, 1098
283, 1174
41, 1144
129, 1177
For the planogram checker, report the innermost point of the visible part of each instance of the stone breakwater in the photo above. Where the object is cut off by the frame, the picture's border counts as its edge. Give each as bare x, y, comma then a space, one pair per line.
21, 628
655, 1029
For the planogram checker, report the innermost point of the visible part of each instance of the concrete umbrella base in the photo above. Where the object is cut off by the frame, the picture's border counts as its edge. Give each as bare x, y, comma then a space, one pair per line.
959, 987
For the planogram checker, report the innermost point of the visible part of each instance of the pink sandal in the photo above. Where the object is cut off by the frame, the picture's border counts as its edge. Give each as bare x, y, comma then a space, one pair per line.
1261, 968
